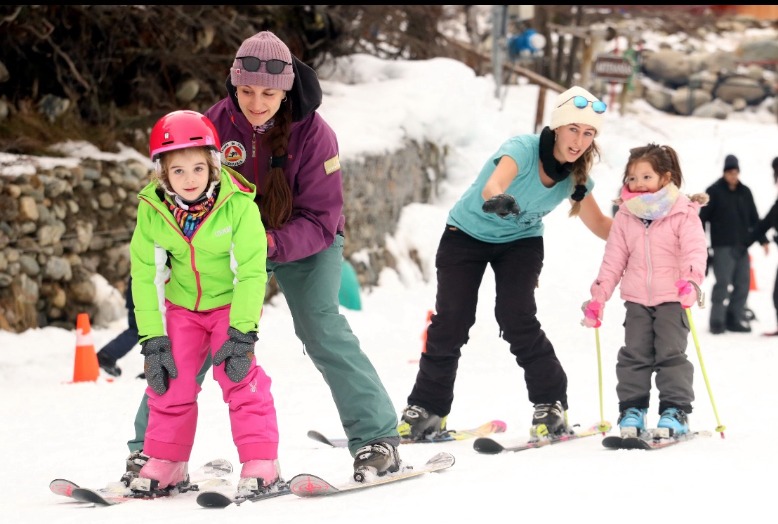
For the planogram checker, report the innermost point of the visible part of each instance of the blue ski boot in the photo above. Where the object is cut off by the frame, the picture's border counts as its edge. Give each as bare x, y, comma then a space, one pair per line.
632, 422
673, 422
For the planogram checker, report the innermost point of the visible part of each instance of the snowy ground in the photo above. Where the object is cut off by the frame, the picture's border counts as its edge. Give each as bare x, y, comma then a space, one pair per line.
53, 428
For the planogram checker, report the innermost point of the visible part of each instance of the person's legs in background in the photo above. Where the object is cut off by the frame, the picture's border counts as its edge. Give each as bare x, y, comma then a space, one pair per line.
723, 268
775, 305
123, 343
736, 319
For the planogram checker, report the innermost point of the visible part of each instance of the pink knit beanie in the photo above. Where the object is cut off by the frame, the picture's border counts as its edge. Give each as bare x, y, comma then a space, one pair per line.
265, 46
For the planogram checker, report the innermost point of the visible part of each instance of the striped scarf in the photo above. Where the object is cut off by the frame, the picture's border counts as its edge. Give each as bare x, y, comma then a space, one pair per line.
190, 216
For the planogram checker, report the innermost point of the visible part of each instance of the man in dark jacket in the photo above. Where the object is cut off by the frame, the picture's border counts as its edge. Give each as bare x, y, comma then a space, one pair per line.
733, 217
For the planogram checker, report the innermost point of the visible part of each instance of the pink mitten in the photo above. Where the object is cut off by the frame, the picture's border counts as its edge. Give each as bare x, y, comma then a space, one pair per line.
592, 310
686, 293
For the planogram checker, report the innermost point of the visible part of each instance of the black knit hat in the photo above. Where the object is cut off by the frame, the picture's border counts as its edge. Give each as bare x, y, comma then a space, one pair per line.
730, 162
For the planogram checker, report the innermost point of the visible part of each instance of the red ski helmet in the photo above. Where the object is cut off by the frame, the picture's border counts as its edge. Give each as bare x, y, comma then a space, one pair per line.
180, 130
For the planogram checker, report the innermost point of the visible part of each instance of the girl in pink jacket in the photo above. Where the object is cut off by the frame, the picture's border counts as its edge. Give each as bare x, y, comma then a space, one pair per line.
657, 250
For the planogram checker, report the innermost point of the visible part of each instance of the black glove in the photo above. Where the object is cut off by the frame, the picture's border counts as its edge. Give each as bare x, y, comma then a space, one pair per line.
502, 204
236, 354
159, 366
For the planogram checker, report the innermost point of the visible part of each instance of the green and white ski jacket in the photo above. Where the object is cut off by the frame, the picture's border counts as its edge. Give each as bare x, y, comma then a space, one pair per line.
223, 263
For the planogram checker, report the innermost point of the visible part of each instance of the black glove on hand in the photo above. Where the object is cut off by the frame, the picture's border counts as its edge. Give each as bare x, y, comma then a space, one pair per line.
502, 204
159, 365
236, 354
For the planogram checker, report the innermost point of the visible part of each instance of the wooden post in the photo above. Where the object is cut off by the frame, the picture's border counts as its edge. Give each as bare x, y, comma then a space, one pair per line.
543, 83
624, 96
541, 109
573, 55
559, 58
596, 35
586, 63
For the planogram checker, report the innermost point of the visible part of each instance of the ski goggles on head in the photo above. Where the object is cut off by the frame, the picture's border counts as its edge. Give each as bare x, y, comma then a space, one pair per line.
252, 65
581, 102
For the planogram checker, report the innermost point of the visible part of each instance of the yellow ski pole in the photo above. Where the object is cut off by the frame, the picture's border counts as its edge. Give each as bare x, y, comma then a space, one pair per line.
701, 302
604, 426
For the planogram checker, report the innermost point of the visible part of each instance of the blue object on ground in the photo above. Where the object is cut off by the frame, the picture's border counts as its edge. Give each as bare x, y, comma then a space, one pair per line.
348, 296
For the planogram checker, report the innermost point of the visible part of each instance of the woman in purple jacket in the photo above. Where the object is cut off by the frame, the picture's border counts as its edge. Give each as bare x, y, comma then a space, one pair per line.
657, 250
271, 134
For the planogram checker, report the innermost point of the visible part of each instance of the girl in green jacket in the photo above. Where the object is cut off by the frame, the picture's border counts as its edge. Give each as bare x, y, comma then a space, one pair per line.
198, 281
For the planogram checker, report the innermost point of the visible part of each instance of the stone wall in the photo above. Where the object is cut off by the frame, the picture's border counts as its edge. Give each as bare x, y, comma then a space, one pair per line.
59, 227
376, 190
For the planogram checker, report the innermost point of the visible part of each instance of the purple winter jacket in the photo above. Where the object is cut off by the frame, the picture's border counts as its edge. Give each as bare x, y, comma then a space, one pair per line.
317, 187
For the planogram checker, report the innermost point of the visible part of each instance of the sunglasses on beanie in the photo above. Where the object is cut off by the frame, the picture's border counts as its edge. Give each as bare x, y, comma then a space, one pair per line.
274, 66
581, 102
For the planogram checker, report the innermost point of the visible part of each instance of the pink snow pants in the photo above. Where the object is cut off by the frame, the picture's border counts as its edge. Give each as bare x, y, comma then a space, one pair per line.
173, 415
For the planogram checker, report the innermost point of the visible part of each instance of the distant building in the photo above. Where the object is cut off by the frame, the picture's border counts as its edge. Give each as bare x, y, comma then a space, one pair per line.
760, 12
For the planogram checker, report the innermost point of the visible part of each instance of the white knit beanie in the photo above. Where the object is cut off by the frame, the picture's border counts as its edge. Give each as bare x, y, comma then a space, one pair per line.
265, 46
565, 112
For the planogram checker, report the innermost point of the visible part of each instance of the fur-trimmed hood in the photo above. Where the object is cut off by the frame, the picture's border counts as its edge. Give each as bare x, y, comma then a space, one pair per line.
700, 198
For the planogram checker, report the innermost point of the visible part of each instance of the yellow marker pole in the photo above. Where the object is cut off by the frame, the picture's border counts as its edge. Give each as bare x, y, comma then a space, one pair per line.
604, 426
720, 428
701, 303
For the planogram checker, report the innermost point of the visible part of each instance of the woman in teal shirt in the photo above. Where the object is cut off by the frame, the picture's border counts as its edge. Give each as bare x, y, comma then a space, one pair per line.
499, 222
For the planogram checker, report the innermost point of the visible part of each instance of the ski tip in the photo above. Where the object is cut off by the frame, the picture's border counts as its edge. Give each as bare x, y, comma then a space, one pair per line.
213, 499
487, 446
307, 485
319, 437
499, 426
612, 442
62, 487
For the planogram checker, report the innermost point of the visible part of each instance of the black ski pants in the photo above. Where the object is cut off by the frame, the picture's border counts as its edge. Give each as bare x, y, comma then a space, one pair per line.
461, 261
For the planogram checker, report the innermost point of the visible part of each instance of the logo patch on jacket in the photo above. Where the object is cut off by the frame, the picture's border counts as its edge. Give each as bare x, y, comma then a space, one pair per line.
233, 153
332, 165
223, 231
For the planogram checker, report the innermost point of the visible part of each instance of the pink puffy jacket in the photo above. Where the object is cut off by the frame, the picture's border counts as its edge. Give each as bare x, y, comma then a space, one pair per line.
648, 260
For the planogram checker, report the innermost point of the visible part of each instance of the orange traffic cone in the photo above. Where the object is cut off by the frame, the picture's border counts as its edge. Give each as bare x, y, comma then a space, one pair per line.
86, 368
752, 285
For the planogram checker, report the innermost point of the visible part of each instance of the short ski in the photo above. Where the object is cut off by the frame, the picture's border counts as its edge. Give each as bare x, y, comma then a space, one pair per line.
103, 498
208, 475
307, 485
490, 446
62, 487
648, 441
488, 428
218, 499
